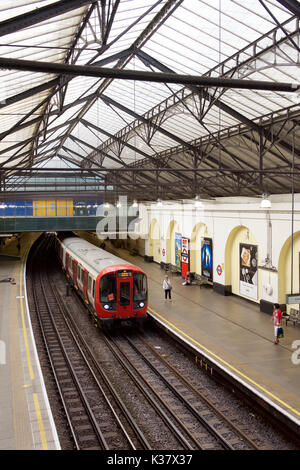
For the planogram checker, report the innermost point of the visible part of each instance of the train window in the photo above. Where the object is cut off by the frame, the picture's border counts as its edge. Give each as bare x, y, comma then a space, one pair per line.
124, 293
94, 289
90, 284
108, 292
74, 269
139, 290
78, 272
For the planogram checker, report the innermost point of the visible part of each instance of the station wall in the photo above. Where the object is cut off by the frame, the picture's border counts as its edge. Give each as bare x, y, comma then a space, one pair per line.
243, 236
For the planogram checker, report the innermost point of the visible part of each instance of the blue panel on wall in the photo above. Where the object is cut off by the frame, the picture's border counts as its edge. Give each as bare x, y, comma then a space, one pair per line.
29, 208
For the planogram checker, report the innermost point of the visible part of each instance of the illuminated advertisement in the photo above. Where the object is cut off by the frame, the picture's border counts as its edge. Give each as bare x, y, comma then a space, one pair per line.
207, 258
248, 270
178, 238
185, 256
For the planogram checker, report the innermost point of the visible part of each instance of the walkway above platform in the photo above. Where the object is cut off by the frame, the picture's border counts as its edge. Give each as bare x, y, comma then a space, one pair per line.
65, 223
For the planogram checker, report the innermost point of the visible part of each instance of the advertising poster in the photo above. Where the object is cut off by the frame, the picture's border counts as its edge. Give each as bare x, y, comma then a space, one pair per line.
248, 270
185, 256
207, 258
178, 238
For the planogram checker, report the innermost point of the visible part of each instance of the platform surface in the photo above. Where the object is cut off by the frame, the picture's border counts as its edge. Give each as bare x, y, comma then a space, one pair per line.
232, 332
26, 421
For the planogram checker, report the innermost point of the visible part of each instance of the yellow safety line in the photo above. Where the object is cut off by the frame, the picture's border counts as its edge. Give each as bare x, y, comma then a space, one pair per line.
35, 398
228, 365
24, 325
40, 421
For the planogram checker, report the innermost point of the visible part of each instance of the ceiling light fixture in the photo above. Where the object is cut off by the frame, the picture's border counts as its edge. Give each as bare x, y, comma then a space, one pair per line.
265, 203
198, 204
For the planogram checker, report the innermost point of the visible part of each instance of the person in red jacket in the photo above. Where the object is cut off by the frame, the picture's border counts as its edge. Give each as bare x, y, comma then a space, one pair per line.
276, 320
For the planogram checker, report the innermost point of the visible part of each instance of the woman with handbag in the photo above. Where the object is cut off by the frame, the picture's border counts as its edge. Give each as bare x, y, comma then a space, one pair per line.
276, 320
167, 287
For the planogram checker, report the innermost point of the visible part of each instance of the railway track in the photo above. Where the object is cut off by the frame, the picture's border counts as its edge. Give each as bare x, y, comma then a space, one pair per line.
190, 414
93, 422
119, 391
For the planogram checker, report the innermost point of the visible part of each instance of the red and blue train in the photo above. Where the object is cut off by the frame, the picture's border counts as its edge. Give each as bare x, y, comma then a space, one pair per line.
113, 289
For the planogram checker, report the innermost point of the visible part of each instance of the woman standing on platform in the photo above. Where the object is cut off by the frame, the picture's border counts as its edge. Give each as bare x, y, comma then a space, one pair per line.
167, 288
276, 319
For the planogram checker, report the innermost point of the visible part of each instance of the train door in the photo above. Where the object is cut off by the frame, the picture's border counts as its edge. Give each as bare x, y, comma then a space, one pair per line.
124, 290
75, 273
85, 285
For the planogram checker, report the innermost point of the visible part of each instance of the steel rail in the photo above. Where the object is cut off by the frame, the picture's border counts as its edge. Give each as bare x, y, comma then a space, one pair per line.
79, 387
200, 395
111, 343
109, 384
225, 444
94, 424
71, 427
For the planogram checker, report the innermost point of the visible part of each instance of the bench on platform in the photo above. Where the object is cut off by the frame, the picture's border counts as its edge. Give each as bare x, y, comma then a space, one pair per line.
294, 316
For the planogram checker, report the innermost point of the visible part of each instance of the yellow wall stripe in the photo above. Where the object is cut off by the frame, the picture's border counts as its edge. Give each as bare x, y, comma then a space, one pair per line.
228, 365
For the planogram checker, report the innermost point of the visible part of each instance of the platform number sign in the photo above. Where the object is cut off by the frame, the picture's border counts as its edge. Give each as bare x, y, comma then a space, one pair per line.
185, 256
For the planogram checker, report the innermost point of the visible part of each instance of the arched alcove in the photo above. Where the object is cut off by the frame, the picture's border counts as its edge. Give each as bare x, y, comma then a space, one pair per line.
154, 240
170, 241
242, 255
200, 231
284, 268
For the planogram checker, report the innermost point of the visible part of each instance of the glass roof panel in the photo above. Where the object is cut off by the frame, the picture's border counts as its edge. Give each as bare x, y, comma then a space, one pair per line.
191, 37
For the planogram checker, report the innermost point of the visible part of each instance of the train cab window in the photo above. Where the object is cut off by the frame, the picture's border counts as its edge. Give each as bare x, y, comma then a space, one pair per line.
94, 288
139, 290
108, 292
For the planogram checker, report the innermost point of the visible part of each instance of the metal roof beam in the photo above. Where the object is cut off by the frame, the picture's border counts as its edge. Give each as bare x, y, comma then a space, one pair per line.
156, 77
57, 81
28, 93
292, 5
38, 15
121, 141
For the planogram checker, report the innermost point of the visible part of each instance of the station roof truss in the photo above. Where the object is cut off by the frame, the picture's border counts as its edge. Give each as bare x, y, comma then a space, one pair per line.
154, 99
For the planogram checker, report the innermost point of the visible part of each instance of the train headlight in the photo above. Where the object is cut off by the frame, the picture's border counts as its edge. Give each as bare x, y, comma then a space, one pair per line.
142, 304
106, 307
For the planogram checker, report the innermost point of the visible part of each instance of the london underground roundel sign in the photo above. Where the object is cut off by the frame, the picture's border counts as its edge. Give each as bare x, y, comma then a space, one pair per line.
219, 269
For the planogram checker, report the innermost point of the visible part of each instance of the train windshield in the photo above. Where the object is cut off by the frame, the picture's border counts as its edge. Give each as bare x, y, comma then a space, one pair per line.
139, 287
108, 292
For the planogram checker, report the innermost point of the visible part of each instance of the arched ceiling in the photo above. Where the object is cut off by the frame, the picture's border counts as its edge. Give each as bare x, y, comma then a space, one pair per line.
149, 138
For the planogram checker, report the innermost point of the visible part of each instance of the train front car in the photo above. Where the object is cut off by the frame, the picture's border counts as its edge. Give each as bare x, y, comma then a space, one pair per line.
121, 294
113, 289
